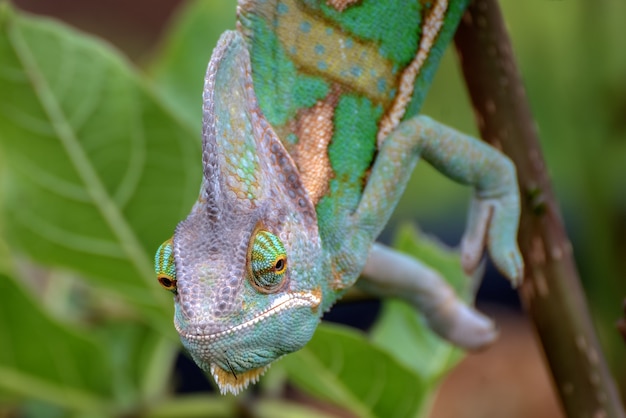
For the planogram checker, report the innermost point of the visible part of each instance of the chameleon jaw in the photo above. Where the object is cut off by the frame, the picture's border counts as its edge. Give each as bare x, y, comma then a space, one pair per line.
230, 375
234, 383
311, 299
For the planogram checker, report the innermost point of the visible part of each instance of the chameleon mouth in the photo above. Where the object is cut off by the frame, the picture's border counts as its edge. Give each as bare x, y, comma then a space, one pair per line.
310, 299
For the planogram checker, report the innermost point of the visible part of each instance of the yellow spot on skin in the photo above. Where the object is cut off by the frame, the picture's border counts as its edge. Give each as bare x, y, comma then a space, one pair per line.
340, 53
314, 129
431, 28
341, 5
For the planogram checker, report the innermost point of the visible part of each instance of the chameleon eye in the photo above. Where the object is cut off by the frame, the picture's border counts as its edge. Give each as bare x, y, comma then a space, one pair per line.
165, 267
267, 262
280, 265
167, 283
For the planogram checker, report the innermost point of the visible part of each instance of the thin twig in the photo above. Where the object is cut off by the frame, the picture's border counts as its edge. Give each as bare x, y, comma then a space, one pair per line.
551, 293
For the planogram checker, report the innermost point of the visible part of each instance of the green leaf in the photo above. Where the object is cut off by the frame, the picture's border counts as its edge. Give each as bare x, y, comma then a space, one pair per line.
194, 406
179, 69
43, 359
340, 365
280, 409
99, 171
400, 329
141, 359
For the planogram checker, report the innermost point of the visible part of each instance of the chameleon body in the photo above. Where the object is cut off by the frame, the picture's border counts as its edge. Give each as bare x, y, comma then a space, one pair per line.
310, 133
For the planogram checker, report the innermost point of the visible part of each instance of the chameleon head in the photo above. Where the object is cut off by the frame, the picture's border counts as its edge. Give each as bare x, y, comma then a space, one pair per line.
243, 266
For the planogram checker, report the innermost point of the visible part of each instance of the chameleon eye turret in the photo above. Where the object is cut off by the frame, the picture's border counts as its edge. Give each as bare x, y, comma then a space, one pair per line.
165, 267
267, 262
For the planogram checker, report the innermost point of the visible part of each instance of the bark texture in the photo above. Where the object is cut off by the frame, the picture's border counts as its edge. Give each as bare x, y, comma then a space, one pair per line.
551, 292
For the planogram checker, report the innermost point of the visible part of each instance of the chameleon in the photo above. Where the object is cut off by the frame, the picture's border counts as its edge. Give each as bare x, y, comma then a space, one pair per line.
311, 129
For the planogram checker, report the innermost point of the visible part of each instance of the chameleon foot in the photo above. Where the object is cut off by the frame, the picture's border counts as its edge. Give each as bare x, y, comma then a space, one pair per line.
492, 224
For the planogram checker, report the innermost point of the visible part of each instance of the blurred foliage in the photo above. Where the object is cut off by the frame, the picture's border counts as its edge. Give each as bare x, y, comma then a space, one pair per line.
99, 161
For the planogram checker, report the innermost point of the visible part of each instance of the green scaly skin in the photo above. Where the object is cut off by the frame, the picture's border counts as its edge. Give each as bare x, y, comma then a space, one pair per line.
310, 133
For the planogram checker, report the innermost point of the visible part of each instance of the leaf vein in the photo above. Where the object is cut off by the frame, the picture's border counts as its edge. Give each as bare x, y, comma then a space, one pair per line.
94, 184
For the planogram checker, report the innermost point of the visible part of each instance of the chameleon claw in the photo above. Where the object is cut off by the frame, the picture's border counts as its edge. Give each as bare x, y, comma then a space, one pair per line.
491, 224
512, 266
502, 244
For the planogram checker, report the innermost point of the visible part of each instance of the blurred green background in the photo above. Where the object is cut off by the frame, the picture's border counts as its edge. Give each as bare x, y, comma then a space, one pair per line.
573, 62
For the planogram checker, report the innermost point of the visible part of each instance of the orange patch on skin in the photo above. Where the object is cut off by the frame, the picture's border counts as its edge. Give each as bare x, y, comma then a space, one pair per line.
337, 283
430, 29
340, 5
318, 294
314, 129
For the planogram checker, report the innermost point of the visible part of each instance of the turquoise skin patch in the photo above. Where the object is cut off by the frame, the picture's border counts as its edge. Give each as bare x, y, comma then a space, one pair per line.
377, 20
280, 89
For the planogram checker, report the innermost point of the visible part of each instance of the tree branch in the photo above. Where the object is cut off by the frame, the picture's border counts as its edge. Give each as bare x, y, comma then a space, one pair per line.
551, 292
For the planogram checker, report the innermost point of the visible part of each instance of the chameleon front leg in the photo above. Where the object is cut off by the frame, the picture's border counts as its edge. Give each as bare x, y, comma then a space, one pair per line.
494, 212
389, 273
492, 221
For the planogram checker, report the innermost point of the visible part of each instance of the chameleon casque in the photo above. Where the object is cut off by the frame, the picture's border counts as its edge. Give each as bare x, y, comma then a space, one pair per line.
310, 133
